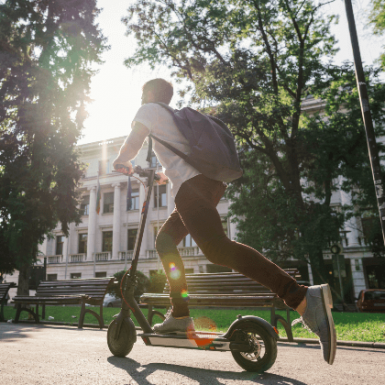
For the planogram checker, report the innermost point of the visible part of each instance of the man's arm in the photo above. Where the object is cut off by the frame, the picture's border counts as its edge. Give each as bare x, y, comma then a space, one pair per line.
131, 145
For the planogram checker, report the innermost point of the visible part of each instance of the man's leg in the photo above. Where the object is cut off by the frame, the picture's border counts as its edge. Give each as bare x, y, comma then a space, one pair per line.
170, 235
196, 203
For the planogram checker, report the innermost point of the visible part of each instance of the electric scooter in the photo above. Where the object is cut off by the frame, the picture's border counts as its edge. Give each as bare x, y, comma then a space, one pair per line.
251, 340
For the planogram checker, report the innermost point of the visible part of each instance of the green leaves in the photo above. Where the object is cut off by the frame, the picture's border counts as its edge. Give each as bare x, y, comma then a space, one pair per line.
255, 64
46, 51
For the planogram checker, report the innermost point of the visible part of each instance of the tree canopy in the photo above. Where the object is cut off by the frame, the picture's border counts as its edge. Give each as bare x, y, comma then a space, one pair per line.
46, 48
377, 19
256, 64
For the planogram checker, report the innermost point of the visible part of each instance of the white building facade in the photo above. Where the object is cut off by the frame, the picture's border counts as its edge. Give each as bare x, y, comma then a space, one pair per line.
103, 243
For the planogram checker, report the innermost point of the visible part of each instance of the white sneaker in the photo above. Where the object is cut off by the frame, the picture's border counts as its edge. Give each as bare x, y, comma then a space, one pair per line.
174, 325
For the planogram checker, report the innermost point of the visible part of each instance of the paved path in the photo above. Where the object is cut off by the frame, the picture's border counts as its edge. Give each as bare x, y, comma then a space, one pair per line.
47, 355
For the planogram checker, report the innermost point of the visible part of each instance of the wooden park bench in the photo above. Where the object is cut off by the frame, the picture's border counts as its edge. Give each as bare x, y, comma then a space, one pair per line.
225, 290
4, 288
67, 292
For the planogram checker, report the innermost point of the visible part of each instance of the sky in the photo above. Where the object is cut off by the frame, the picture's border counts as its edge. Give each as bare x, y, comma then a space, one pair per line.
116, 89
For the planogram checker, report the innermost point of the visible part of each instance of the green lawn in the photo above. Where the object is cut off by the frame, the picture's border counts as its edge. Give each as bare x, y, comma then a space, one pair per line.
368, 327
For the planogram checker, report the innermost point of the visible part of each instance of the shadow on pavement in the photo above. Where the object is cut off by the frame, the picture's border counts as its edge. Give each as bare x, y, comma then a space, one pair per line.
139, 373
12, 334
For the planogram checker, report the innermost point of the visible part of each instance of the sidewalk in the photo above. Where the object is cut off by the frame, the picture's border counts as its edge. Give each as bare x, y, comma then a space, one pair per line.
63, 355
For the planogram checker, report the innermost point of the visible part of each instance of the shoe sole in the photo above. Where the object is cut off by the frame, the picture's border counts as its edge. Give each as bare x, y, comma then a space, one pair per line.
328, 305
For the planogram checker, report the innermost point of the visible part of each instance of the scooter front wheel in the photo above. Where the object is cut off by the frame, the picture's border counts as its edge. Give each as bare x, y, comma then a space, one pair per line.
121, 343
264, 352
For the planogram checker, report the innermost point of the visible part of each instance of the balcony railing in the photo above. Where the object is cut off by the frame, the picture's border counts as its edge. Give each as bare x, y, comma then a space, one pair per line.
55, 259
78, 258
183, 251
123, 254
103, 256
189, 251
151, 254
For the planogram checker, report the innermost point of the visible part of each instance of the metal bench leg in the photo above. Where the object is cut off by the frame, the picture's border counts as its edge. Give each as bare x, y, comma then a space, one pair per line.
2, 312
272, 315
150, 314
18, 311
286, 325
82, 313
43, 312
30, 311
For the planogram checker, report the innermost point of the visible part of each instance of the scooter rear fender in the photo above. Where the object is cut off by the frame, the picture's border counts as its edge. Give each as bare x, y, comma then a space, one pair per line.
247, 320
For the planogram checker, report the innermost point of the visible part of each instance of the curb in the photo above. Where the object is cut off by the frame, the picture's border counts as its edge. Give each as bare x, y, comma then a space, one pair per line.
300, 341
357, 344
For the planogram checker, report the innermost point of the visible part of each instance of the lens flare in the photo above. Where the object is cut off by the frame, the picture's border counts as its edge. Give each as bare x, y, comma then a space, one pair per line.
184, 294
204, 334
175, 274
172, 266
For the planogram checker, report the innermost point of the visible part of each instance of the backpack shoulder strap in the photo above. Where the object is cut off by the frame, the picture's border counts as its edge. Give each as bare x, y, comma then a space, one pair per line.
168, 145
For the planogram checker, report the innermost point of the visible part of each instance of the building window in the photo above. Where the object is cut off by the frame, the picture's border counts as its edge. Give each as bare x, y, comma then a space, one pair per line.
188, 241
103, 167
59, 244
101, 274
134, 200
107, 241
162, 198
76, 275
83, 243
51, 277
85, 205
131, 238
108, 202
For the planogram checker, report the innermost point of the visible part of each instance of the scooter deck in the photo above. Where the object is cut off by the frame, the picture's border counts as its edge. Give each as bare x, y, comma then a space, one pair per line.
196, 340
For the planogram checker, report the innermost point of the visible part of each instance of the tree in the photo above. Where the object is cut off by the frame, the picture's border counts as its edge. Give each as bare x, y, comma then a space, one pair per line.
142, 284
46, 51
377, 19
253, 63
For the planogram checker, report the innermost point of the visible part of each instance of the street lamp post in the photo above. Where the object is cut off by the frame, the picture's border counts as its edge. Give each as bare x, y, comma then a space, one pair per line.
367, 117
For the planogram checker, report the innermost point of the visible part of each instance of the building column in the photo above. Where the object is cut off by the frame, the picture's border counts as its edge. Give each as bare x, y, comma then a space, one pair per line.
144, 247
232, 226
91, 237
170, 199
116, 223
65, 249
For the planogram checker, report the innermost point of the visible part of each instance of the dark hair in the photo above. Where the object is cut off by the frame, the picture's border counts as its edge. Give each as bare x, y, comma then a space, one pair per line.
161, 89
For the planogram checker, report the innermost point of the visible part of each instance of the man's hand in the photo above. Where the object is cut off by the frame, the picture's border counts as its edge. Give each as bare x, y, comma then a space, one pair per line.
163, 178
124, 171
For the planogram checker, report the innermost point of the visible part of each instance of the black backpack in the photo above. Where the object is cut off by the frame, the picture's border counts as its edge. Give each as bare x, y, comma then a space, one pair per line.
213, 151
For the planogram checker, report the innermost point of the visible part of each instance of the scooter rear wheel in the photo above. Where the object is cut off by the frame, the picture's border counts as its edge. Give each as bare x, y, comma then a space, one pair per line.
264, 354
122, 344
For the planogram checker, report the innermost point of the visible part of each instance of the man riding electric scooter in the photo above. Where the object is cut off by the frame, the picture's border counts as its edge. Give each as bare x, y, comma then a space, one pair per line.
196, 197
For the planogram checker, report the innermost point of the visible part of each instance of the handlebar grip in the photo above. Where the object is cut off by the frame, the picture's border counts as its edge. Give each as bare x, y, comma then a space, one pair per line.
138, 170
122, 166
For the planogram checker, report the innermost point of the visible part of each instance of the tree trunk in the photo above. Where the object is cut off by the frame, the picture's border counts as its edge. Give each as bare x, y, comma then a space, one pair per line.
23, 283
318, 267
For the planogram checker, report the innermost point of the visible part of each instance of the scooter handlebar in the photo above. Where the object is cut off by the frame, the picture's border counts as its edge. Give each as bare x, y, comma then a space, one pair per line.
138, 170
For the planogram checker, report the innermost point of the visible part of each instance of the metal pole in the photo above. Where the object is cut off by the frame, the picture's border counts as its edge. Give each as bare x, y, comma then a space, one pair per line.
340, 279
367, 117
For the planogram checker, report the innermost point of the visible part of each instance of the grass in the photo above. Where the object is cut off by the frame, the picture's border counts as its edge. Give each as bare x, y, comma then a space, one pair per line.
366, 327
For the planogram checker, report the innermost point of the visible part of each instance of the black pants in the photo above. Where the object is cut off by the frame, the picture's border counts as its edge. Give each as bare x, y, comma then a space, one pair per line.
196, 213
